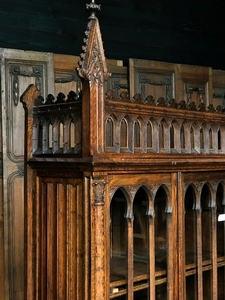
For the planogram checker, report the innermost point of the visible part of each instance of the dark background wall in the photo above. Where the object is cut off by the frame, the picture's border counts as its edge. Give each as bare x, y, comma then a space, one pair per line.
191, 31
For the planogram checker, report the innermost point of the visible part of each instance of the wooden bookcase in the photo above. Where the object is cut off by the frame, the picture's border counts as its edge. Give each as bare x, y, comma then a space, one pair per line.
123, 194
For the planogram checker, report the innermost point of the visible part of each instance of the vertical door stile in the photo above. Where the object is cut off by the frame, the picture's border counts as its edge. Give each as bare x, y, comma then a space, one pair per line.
87, 219
51, 241
151, 247
130, 250
180, 269
107, 240
43, 242
171, 239
98, 250
77, 239
61, 241
39, 235
71, 248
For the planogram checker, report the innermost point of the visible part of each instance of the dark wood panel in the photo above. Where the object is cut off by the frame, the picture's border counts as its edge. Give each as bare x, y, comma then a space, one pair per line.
176, 31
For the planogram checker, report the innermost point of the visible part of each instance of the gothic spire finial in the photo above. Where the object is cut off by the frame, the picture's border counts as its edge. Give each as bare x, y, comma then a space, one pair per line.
93, 8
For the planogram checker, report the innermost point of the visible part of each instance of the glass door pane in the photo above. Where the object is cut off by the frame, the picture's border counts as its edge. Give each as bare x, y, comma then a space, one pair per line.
118, 255
140, 242
190, 244
206, 225
161, 244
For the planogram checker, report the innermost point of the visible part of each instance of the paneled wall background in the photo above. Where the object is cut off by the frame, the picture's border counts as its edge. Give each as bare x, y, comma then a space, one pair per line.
50, 74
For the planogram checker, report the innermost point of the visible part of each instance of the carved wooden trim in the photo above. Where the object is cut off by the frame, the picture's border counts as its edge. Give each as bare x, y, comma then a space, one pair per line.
92, 66
99, 191
15, 72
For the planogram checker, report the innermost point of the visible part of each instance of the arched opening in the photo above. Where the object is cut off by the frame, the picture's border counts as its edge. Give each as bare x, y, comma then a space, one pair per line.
72, 135
161, 136
118, 242
149, 135
219, 139
160, 204
201, 138
123, 134
61, 138
109, 132
140, 241
192, 138
50, 136
39, 135
136, 134
190, 243
210, 139
171, 136
182, 137
45, 135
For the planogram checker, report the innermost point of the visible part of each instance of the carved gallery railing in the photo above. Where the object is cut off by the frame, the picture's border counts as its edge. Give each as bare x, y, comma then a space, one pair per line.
57, 124
149, 126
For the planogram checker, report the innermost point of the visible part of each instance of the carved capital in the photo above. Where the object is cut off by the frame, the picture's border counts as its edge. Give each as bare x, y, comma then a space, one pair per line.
99, 192
153, 189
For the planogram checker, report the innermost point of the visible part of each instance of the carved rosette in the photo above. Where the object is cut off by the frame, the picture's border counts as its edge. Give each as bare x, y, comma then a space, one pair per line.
99, 192
92, 66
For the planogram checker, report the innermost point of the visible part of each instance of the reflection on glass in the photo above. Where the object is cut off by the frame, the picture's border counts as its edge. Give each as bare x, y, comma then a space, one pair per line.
160, 243
207, 286
190, 244
220, 284
140, 242
220, 225
191, 287
220, 243
141, 295
118, 263
161, 292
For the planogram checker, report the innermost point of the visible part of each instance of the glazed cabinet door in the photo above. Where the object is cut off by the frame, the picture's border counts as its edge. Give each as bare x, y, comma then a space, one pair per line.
142, 237
203, 237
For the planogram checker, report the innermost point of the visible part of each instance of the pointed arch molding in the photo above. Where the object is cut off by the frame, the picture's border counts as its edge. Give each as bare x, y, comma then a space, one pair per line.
92, 65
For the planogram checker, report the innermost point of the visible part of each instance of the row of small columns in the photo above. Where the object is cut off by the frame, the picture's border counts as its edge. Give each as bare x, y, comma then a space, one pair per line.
188, 136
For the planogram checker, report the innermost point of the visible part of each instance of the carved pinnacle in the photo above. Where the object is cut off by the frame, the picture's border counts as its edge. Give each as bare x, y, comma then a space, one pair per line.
93, 8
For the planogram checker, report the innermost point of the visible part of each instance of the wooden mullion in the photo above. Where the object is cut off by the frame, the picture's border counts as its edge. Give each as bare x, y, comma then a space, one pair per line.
130, 265
214, 253
151, 247
87, 218
170, 257
181, 238
199, 254
51, 242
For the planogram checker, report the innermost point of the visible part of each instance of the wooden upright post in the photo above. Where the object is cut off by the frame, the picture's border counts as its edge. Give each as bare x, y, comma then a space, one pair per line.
93, 70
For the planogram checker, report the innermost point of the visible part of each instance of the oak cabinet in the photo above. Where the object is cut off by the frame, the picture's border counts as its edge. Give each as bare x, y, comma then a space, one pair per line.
124, 193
